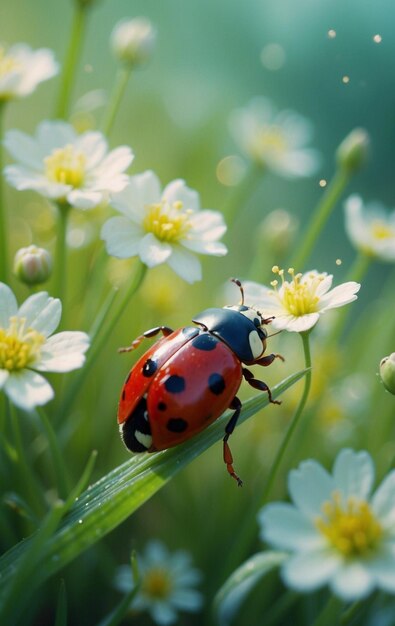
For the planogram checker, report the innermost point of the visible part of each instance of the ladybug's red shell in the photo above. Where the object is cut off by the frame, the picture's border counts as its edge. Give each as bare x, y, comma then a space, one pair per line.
176, 389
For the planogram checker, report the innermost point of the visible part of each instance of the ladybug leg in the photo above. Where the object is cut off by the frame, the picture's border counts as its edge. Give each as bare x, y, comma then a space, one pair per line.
258, 384
268, 360
165, 330
229, 428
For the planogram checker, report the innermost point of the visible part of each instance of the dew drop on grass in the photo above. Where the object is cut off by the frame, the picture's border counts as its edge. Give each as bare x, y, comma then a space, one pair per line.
331, 33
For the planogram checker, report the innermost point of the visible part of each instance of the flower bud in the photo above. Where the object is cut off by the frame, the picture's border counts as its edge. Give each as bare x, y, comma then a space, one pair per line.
133, 41
33, 265
387, 372
352, 153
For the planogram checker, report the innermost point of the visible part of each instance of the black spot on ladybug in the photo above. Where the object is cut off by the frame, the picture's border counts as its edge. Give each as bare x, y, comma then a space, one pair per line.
149, 368
123, 394
177, 425
216, 384
162, 406
204, 341
175, 384
136, 423
257, 321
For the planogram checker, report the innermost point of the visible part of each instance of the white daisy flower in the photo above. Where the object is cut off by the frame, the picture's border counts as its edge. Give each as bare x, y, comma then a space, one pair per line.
27, 347
275, 140
167, 582
66, 167
22, 69
163, 226
371, 228
298, 303
336, 531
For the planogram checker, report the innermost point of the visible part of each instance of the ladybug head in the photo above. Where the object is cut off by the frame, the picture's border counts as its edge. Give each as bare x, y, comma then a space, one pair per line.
241, 327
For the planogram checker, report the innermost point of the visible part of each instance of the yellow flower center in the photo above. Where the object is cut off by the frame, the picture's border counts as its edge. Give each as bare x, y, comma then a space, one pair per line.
381, 230
270, 139
157, 584
297, 296
350, 527
66, 166
7, 63
168, 223
19, 346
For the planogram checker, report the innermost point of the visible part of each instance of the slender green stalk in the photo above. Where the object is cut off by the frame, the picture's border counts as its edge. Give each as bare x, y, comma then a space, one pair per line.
330, 614
32, 488
320, 217
101, 341
3, 223
294, 421
121, 82
61, 471
71, 61
242, 193
356, 273
61, 252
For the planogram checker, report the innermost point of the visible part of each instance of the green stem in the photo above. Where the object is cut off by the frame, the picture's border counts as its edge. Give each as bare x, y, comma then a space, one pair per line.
61, 471
330, 614
3, 223
31, 487
242, 193
121, 82
101, 341
320, 217
294, 421
71, 60
61, 253
356, 273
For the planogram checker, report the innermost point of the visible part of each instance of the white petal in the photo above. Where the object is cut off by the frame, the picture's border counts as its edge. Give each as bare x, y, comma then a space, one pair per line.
152, 251
24, 149
40, 66
383, 501
27, 389
353, 474
56, 134
352, 581
8, 305
177, 191
297, 163
115, 162
294, 324
85, 199
284, 527
383, 569
94, 147
324, 285
211, 224
162, 613
41, 312
187, 599
215, 248
3, 377
141, 191
310, 486
340, 295
22, 178
63, 352
306, 571
122, 238
261, 296
185, 265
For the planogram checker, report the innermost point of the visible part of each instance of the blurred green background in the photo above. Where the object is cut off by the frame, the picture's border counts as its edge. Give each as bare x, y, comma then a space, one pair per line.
210, 58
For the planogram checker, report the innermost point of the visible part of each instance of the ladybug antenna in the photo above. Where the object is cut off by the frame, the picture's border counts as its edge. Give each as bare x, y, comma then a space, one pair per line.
240, 286
273, 334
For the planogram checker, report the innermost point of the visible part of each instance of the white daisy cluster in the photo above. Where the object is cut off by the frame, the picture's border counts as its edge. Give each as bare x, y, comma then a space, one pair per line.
167, 583
336, 530
27, 346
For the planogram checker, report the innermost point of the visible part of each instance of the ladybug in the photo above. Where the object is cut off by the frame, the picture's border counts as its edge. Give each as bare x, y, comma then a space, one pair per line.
187, 379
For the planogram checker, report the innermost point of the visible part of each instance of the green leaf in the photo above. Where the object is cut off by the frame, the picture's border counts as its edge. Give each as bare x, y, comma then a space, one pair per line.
106, 504
234, 591
61, 609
